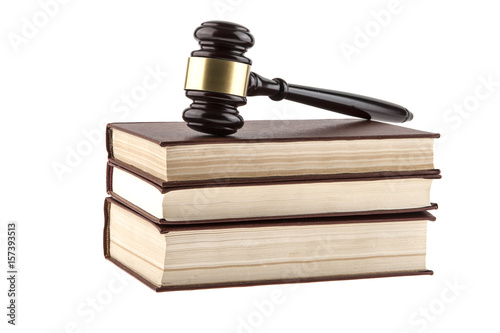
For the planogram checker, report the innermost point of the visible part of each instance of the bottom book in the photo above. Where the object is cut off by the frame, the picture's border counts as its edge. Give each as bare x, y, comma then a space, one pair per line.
181, 257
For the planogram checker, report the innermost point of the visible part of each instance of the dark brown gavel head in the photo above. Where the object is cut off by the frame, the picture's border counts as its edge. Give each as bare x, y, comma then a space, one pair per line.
217, 78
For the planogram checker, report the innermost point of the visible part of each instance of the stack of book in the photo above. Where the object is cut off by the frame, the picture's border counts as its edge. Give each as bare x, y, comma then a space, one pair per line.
281, 201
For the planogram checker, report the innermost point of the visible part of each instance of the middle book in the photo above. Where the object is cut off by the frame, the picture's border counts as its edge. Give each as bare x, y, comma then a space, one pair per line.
225, 201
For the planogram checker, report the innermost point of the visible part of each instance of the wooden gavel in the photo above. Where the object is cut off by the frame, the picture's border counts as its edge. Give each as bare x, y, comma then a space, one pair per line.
218, 80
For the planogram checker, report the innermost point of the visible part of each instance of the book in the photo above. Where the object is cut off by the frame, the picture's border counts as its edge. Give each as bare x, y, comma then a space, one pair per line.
176, 257
230, 202
170, 152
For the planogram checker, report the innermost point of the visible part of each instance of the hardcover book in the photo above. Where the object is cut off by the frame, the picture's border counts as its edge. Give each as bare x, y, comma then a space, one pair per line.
266, 252
226, 201
170, 153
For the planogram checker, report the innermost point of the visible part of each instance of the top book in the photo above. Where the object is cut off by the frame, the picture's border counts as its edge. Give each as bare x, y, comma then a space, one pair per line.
169, 152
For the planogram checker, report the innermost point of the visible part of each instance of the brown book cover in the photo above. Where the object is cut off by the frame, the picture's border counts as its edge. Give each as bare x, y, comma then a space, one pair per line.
161, 189
164, 229
166, 134
176, 133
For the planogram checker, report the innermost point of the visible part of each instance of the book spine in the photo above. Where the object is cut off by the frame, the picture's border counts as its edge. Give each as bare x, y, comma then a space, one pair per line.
109, 141
109, 179
107, 205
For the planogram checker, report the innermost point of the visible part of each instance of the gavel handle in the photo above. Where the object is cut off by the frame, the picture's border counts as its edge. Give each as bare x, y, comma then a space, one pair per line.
337, 101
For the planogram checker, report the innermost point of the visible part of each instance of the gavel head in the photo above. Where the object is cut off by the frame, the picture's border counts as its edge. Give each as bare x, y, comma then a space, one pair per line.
217, 78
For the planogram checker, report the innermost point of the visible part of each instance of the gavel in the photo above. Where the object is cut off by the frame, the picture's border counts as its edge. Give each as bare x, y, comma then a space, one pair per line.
218, 79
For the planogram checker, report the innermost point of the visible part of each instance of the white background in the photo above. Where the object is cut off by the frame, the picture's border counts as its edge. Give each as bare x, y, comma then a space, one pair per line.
63, 79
